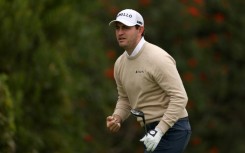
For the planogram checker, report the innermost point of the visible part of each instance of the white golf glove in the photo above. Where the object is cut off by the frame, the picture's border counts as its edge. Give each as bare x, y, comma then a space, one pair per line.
152, 139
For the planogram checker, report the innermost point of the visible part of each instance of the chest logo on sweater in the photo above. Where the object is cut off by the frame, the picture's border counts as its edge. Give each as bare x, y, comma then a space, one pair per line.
139, 71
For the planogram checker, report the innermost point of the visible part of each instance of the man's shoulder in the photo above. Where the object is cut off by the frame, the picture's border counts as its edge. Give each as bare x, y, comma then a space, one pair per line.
156, 53
155, 50
120, 58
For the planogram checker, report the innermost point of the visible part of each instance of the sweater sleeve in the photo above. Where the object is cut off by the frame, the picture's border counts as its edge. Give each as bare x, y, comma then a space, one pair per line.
123, 106
168, 78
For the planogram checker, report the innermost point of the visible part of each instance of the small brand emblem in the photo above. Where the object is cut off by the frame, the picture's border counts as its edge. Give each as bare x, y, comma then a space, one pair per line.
153, 132
139, 22
139, 71
125, 14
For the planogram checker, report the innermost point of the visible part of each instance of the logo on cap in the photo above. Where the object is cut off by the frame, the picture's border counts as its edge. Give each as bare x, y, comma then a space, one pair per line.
125, 14
139, 22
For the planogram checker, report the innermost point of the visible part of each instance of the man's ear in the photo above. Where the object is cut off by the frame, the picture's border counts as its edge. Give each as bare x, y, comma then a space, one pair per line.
142, 29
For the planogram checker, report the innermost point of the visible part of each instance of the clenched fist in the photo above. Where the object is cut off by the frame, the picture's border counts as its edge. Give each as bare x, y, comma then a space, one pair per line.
113, 123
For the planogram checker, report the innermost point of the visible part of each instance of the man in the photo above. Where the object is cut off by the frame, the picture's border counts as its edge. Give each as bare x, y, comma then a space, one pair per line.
147, 79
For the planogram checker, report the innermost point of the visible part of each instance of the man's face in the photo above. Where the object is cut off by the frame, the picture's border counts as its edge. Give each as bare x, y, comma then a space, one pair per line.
128, 37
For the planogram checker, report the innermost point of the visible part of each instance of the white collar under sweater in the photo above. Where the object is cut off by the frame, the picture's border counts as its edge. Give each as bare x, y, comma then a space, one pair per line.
137, 48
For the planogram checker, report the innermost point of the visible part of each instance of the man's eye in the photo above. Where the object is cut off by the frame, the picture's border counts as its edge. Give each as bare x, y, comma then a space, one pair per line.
125, 27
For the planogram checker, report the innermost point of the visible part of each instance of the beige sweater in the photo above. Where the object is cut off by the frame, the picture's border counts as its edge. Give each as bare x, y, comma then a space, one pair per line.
151, 83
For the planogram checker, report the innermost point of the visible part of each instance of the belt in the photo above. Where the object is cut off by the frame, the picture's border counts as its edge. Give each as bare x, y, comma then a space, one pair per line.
152, 125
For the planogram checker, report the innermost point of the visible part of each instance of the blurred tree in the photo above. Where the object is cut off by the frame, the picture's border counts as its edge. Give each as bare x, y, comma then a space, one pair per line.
49, 51
7, 124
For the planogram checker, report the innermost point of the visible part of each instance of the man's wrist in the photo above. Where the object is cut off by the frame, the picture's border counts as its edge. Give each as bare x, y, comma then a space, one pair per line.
159, 131
117, 118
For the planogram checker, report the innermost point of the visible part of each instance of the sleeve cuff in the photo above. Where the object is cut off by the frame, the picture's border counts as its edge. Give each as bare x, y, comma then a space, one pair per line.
163, 126
122, 113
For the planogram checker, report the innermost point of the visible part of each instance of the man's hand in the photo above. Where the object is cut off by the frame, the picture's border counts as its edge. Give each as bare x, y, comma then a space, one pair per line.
113, 123
152, 139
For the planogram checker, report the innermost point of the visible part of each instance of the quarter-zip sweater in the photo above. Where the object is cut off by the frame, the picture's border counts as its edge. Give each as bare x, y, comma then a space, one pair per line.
150, 82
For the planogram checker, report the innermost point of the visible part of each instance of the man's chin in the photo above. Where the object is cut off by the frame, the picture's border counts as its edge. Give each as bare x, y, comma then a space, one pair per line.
122, 45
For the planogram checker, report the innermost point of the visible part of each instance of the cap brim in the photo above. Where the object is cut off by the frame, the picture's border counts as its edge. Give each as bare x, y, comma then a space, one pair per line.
125, 22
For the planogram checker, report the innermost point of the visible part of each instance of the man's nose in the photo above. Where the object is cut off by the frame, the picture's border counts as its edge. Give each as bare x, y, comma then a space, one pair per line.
120, 31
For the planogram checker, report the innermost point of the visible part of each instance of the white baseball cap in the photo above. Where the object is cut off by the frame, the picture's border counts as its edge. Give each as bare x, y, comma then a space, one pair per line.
129, 17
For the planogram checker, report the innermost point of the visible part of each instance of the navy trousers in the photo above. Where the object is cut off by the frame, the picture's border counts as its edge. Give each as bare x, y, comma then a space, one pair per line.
175, 139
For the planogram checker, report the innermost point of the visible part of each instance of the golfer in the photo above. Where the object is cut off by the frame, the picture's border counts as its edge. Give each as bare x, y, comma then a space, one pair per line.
147, 79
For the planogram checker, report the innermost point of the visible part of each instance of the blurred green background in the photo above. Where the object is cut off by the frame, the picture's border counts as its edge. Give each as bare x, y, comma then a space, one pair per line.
56, 73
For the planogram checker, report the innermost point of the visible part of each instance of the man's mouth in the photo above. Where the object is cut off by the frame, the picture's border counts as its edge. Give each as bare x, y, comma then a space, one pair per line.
121, 39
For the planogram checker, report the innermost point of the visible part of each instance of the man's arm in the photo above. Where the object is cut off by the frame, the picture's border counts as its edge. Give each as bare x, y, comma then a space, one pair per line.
122, 108
169, 80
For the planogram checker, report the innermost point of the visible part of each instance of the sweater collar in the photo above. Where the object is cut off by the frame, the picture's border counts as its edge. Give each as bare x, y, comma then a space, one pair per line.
137, 48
